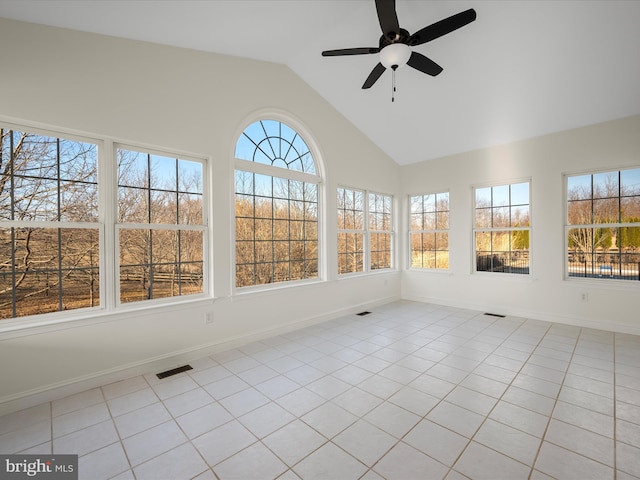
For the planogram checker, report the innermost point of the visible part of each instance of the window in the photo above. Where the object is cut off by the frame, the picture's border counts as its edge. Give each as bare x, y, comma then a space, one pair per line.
351, 231
276, 206
50, 232
603, 225
380, 231
502, 228
429, 230
161, 231
57, 253
365, 231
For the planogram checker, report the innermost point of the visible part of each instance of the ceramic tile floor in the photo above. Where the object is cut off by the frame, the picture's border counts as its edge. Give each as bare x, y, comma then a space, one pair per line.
410, 391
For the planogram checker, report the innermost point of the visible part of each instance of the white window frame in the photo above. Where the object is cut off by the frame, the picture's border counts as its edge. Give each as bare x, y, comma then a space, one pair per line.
367, 231
99, 226
252, 167
107, 181
599, 278
509, 229
203, 228
353, 231
435, 231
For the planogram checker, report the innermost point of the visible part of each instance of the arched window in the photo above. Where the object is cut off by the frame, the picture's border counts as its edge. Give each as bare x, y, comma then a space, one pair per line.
276, 206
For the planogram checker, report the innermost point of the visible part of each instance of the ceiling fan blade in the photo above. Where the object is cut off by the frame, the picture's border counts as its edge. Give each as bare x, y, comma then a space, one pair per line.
424, 64
350, 51
387, 16
374, 75
442, 27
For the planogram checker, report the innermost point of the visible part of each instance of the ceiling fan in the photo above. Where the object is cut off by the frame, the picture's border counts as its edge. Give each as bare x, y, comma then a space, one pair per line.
395, 43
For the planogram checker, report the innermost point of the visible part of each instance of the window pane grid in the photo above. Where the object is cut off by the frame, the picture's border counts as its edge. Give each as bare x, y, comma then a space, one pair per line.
157, 263
51, 269
365, 231
276, 215
380, 231
49, 249
274, 143
351, 231
502, 228
603, 225
350, 252
165, 258
429, 231
380, 250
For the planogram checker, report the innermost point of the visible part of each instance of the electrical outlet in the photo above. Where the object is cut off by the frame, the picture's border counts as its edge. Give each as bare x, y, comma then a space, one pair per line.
208, 318
584, 296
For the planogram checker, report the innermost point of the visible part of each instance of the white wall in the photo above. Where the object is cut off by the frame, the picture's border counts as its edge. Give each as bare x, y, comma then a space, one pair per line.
186, 101
544, 294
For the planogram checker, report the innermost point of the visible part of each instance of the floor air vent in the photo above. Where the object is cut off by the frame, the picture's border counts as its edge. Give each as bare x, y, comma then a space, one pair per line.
362, 314
174, 371
495, 315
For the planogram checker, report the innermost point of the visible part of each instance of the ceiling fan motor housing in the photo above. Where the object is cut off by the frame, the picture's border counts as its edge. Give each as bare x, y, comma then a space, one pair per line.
394, 37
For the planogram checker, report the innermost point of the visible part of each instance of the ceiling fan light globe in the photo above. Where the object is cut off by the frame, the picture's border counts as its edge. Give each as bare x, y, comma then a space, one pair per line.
395, 54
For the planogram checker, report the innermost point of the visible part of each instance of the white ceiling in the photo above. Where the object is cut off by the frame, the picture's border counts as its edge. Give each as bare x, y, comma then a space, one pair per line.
522, 69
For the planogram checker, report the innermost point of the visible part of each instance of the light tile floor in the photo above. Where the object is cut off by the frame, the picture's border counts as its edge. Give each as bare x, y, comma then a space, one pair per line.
410, 391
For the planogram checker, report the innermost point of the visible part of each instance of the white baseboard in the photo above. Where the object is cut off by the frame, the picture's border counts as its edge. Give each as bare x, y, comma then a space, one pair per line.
576, 321
56, 391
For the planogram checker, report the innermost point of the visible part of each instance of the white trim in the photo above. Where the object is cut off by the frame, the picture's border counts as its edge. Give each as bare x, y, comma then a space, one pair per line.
107, 206
160, 226
278, 172
50, 224
50, 131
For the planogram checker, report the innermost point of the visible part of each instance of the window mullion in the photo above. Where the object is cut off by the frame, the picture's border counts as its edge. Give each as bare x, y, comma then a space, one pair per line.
107, 215
14, 301
177, 261
59, 218
367, 232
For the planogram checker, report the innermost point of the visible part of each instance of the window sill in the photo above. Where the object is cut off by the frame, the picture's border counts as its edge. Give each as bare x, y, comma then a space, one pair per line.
347, 276
604, 283
432, 271
34, 325
257, 290
511, 277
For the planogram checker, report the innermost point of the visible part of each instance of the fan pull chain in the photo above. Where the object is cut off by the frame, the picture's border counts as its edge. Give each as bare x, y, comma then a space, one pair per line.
393, 82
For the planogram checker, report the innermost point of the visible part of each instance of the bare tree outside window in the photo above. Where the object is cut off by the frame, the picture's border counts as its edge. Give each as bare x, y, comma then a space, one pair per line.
276, 206
49, 230
380, 231
160, 226
429, 230
351, 230
365, 231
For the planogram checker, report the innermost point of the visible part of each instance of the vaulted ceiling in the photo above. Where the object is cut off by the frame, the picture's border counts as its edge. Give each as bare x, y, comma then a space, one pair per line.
522, 69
